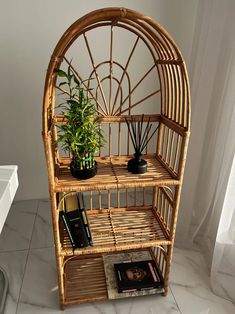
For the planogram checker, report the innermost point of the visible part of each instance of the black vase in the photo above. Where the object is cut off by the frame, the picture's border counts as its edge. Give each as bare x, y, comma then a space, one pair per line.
137, 165
84, 173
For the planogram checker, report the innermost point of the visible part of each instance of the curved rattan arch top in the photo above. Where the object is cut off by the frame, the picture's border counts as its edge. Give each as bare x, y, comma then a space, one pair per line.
168, 61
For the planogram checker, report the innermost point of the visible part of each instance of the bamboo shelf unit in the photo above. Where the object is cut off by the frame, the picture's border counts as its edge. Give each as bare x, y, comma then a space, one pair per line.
126, 212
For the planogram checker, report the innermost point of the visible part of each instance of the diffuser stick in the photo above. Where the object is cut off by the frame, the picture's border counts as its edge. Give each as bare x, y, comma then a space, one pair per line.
138, 134
134, 131
142, 140
146, 138
149, 138
130, 131
140, 131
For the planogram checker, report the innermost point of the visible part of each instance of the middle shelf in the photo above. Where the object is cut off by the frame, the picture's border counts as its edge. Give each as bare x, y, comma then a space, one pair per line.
113, 174
120, 229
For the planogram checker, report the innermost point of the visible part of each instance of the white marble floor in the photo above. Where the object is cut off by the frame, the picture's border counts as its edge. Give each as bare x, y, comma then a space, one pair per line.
27, 254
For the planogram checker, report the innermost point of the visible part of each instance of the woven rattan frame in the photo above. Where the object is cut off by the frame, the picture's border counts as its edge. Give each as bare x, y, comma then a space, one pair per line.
163, 180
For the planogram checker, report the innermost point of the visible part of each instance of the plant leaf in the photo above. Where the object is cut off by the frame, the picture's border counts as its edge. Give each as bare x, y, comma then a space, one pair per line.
61, 73
62, 83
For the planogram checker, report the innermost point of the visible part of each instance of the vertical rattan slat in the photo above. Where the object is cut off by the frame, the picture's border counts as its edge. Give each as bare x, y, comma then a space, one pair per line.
126, 211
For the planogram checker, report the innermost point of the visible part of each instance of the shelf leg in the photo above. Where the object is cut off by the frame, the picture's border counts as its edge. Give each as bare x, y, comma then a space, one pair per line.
59, 258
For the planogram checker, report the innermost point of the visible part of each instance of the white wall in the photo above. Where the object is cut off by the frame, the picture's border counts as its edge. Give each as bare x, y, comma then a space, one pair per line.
29, 31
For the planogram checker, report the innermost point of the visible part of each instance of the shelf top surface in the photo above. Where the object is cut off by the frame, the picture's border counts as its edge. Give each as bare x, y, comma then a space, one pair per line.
113, 174
120, 229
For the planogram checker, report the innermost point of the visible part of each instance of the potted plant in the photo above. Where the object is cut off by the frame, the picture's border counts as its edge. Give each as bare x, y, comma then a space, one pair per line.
80, 134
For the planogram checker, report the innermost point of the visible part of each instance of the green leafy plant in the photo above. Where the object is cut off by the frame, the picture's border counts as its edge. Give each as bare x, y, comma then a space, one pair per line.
80, 134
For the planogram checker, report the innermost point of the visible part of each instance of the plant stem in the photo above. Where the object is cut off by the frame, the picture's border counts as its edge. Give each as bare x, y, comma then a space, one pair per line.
65, 92
86, 87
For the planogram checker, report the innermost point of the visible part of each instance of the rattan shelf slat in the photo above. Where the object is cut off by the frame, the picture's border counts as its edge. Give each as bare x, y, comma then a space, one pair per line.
119, 229
113, 174
84, 280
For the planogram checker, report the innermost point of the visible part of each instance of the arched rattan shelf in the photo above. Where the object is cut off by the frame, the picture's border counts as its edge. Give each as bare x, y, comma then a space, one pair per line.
114, 92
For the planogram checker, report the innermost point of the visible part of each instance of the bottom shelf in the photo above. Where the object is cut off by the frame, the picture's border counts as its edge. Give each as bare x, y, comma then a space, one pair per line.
84, 280
93, 279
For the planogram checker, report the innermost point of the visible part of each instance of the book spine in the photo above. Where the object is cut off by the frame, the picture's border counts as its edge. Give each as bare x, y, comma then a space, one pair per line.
68, 228
153, 272
86, 225
127, 290
83, 215
78, 229
121, 289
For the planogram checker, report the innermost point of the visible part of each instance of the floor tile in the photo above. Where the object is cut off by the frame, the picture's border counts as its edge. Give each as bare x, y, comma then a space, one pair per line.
150, 305
223, 276
39, 293
43, 231
30, 222
14, 265
190, 285
17, 231
40, 281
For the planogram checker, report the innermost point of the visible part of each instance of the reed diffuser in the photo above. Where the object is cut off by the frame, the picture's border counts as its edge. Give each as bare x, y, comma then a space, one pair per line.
140, 137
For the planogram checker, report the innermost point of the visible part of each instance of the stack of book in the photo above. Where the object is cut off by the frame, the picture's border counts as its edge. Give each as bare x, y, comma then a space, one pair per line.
137, 276
143, 278
74, 217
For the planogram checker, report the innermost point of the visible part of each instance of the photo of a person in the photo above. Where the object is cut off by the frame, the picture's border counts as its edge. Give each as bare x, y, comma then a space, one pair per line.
135, 274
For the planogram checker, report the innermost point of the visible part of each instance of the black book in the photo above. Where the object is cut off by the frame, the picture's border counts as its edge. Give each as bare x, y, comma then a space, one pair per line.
75, 220
82, 211
136, 276
67, 227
